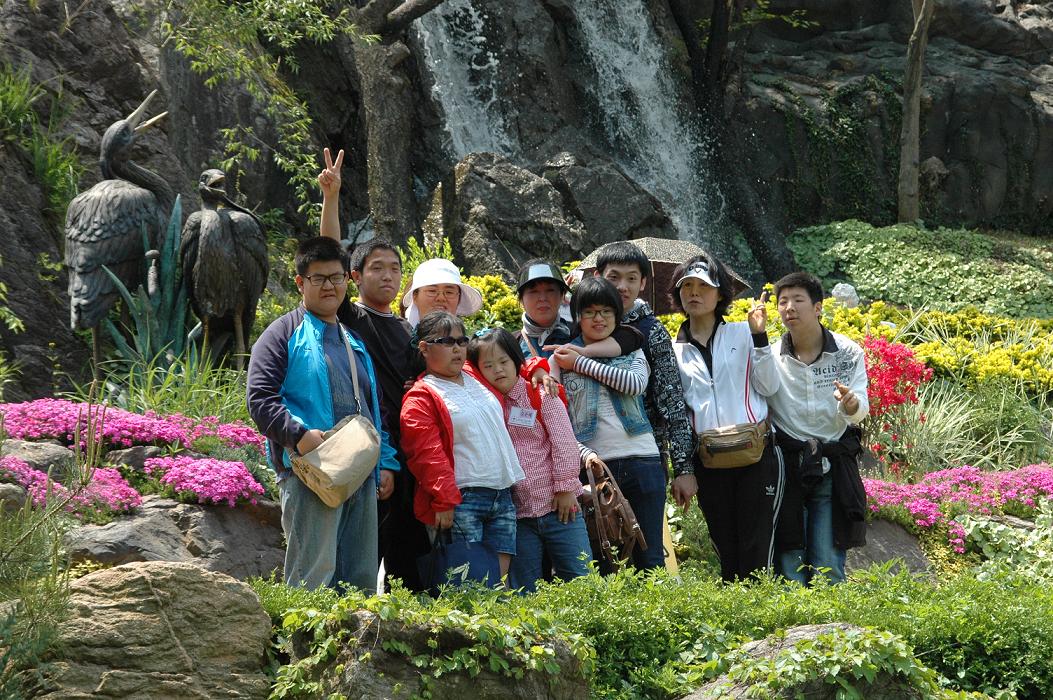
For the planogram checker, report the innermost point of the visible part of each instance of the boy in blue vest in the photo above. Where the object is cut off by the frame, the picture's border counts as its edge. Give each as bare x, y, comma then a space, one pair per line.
300, 385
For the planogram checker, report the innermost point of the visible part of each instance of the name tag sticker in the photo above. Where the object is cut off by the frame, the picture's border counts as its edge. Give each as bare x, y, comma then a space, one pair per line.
522, 417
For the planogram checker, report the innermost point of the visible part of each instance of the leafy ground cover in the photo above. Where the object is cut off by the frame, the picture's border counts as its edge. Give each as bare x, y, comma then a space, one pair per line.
652, 636
946, 269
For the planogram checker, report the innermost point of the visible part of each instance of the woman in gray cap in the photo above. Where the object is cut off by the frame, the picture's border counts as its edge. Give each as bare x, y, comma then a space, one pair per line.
541, 291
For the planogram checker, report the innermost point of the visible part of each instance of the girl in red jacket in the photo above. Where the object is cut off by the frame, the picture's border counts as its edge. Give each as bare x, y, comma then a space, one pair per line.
457, 446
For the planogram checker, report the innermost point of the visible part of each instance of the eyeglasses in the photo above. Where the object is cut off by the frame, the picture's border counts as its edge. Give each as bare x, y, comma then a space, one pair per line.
337, 279
590, 314
435, 292
449, 341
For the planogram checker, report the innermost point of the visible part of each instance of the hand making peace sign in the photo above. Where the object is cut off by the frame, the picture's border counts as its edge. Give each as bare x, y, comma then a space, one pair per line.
329, 178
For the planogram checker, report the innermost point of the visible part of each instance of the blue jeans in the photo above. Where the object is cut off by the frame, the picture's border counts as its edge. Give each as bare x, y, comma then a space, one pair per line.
565, 544
642, 482
819, 552
486, 515
329, 546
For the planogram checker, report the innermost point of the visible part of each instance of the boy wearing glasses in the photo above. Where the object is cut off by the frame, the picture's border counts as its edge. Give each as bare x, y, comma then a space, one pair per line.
299, 385
626, 267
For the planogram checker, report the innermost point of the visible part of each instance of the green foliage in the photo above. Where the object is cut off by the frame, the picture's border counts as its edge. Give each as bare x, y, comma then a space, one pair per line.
159, 319
33, 569
992, 426
188, 384
412, 256
222, 41
9, 371
281, 296
650, 636
500, 305
758, 12
691, 542
945, 269
981, 635
1006, 547
278, 599
851, 660
495, 631
54, 161
33, 593
7, 316
831, 142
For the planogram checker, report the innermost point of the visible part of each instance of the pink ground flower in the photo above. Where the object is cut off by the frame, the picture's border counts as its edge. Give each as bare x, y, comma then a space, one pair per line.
45, 419
206, 480
107, 492
940, 496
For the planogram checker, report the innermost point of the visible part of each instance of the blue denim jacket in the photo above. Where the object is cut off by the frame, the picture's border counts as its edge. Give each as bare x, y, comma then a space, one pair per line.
583, 395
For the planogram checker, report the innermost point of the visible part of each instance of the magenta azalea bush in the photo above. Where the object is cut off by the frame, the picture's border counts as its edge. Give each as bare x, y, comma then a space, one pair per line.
107, 492
205, 480
932, 503
45, 419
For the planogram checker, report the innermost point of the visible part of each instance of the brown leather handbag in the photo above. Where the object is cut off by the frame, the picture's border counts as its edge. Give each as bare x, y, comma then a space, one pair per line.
613, 530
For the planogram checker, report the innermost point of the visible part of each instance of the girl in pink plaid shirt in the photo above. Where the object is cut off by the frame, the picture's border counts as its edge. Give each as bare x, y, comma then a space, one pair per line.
547, 500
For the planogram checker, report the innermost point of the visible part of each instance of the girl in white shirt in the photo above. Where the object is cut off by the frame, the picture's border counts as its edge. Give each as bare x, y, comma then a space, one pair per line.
727, 371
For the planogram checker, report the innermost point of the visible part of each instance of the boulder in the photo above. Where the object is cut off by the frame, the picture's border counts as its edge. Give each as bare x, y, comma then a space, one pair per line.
610, 204
42, 456
367, 670
159, 630
134, 457
241, 542
497, 215
888, 541
884, 686
12, 497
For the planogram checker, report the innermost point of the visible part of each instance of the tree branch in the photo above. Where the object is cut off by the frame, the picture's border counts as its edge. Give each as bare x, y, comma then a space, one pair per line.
400, 18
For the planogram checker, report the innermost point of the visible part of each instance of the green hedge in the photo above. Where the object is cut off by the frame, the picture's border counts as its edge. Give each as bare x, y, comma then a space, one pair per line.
945, 269
655, 637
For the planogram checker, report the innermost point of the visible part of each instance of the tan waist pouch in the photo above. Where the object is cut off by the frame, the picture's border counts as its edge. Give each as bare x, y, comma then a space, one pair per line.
734, 446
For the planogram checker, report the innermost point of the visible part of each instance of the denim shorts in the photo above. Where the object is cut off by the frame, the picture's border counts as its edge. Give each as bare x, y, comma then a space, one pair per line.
487, 515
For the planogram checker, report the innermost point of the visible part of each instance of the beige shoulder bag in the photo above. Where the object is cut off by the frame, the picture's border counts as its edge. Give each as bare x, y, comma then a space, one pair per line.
348, 454
733, 446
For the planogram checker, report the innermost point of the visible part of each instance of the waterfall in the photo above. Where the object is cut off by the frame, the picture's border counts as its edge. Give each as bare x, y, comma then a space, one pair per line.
635, 90
465, 70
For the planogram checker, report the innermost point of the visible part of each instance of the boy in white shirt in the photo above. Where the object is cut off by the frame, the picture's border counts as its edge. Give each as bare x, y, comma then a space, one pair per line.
821, 400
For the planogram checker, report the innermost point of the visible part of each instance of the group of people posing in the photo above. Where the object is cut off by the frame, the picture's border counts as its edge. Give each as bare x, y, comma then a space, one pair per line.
489, 435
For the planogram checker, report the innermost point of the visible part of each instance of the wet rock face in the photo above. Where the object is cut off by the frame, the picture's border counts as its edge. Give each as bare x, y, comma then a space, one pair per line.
160, 629
497, 215
987, 114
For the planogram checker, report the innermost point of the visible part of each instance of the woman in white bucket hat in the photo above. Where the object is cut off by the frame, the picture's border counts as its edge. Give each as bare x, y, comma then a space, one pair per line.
437, 286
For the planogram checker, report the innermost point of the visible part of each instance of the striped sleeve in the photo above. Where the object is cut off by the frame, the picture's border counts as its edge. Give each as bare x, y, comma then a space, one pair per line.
632, 381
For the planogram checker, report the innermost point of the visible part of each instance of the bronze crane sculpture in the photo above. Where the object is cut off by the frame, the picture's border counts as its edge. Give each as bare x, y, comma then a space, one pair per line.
105, 225
225, 267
